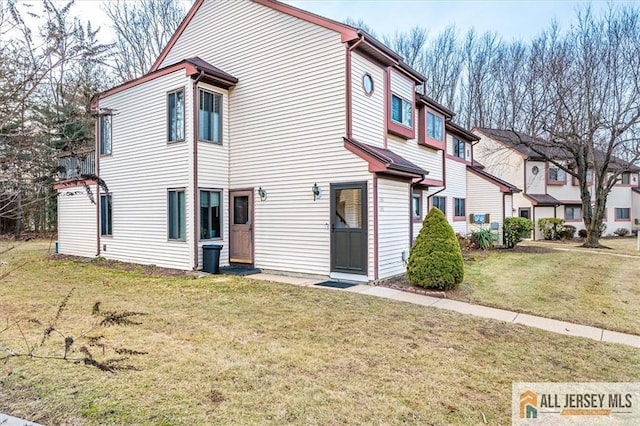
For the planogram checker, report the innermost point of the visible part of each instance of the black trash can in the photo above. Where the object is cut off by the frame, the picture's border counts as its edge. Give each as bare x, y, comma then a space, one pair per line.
211, 258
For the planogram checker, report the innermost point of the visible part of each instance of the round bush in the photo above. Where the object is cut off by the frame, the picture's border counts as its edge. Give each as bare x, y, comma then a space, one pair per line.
435, 260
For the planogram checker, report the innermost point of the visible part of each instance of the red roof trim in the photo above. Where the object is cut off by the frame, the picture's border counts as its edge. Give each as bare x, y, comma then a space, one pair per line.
176, 35
346, 32
189, 68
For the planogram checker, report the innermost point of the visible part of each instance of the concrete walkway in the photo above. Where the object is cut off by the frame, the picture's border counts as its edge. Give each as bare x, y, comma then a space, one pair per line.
555, 326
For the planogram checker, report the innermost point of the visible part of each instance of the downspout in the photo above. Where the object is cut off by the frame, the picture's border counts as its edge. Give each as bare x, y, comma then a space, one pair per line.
348, 100
196, 227
96, 160
375, 227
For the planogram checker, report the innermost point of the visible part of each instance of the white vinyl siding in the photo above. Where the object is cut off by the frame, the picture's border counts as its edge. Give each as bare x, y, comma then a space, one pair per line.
484, 197
287, 120
456, 173
402, 86
393, 224
143, 169
535, 183
367, 111
77, 222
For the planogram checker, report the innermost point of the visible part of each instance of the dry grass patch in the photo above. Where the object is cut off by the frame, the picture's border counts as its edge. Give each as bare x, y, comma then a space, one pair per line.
228, 350
587, 288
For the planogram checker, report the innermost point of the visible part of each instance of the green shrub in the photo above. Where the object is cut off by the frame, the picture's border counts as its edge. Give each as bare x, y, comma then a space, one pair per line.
435, 260
484, 238
514, 229
568, 232
551, 227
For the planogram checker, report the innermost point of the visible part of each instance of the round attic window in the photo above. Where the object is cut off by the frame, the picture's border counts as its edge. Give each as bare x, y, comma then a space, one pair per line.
535, 170
367, 84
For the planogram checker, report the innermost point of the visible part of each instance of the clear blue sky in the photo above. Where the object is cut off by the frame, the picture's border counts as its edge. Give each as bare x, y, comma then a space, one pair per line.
519, 19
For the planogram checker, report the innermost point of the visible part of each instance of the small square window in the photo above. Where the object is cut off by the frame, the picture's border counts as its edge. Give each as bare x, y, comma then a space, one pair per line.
401, 111
556, 174
625, 178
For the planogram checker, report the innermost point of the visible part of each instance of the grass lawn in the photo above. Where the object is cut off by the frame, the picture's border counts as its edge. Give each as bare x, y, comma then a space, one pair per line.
583, 287
228, 350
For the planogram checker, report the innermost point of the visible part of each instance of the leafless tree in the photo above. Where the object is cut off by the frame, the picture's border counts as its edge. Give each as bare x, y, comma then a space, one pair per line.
142, 28
410, 45
442, 65
590, 110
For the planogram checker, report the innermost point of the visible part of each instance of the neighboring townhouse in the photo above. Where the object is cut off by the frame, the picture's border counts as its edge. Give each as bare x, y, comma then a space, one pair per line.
548, 191
290, 139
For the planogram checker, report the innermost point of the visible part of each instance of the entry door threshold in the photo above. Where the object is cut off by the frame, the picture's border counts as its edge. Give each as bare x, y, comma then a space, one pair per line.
341, 276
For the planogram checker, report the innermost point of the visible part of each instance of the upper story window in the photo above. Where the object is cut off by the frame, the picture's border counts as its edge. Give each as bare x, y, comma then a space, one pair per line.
435, 126
175, 115
401, 111
367, 84
459, 148
210, 116
556, 175
625, 178
105, 134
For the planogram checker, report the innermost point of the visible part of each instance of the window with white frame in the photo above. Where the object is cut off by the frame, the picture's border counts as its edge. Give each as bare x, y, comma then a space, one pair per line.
573, 212
176, 214
106, 223
105, 134
459, 207
210, 116
210, 215
435, 126
401, 111
175, 115
459, 148
440, 203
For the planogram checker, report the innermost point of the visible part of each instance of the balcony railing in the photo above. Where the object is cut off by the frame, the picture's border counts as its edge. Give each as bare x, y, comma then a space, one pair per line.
74, 165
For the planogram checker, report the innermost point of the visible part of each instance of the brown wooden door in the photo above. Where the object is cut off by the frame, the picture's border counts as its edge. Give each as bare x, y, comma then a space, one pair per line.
241, 223
349, 228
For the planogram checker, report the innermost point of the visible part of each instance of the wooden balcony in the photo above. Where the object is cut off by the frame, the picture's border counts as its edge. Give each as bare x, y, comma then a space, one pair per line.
72, 165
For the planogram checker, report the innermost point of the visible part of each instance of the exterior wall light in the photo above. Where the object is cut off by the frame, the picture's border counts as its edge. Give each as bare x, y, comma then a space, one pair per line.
262, 193
316, 191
